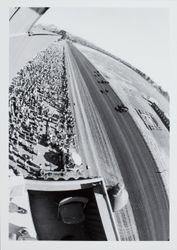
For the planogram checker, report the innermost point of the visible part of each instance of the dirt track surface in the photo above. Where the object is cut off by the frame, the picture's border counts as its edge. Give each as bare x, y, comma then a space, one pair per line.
139, 171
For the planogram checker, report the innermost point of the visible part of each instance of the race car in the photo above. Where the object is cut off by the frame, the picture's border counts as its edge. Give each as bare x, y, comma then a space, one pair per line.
121, 108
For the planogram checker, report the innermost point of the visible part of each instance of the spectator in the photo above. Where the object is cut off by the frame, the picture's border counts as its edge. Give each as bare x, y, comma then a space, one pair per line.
38, 91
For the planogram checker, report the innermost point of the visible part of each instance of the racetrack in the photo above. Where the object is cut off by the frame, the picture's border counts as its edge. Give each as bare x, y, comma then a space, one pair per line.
133, 159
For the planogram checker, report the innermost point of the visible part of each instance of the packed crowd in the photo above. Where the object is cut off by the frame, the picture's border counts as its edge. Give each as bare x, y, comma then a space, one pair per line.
40, 115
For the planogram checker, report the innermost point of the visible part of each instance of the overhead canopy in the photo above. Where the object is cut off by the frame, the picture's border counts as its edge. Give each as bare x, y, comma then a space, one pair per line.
23, 47
21, 20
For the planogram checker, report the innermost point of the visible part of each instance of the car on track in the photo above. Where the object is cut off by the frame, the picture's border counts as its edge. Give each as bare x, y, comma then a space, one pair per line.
121, 108
105, 91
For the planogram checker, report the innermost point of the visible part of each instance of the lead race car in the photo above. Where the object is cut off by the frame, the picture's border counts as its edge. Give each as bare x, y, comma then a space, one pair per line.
121, 108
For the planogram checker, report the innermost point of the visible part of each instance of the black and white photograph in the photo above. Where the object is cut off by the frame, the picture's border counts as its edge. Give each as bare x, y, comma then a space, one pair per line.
88, 124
